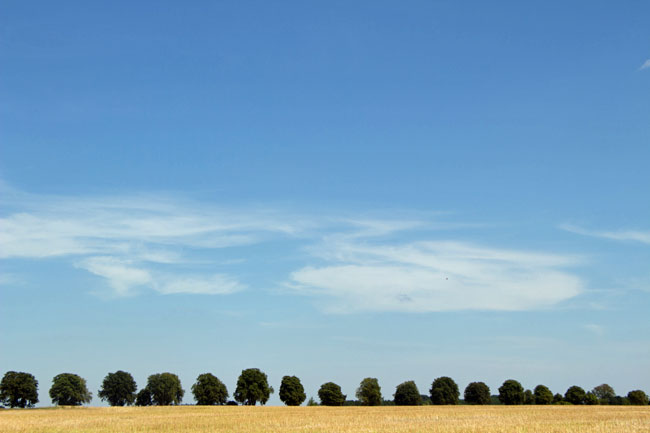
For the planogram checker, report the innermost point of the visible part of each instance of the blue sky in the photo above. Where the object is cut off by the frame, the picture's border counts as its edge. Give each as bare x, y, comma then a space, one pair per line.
333, 190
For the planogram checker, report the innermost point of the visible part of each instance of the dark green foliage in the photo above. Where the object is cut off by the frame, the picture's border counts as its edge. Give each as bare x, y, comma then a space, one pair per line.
252, 386
118, 389
575, 395
311, 402
369, 392
637, 397
511, 392
444, 391
529, 398
330, 395
619, 401
143, 398
209, 390
165, 389
70, 390
605, 393
543, 395
477, 393
18, 389
558, 399
591, 399
407, 394
426, 400
292, 392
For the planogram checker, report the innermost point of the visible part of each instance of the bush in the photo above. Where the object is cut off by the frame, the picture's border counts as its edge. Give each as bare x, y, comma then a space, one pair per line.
143, 398
591, 399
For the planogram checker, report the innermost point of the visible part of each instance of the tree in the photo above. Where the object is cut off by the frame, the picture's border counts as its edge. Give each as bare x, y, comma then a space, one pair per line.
575, 395
529, 398
18, 389
444, 391
369, 392
477, 393
252, 386
591, 399
511, 392
292, 392
543, 395
638, 398
118, 389
165, 389
143, 398
209, 390
70, 390
407, 394
558, 399
605, 393
311, 402
330, 395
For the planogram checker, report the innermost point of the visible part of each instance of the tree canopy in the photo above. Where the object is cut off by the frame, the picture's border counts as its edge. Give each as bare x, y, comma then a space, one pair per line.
165, 389
330, 394
605, 393
18, 389
543, 395
637, 397
118, 389
575, 395
477, 393
292, 392
252, 387
209, 390
444, 391
407, 394
511, 392
70, 390
369, 392
143, 398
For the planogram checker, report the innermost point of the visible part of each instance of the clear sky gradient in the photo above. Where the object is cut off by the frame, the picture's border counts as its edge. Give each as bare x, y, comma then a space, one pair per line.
328, 189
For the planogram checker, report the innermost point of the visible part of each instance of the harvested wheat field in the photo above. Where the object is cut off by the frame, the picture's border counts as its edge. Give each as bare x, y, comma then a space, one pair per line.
327, 419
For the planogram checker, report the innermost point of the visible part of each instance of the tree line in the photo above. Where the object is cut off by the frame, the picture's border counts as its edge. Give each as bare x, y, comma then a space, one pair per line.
20, 390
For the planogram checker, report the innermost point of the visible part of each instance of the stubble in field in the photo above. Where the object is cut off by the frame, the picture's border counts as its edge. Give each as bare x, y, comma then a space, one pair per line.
442, 419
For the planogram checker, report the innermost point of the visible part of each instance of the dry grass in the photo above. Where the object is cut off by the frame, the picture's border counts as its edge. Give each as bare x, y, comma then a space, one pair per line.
442, 419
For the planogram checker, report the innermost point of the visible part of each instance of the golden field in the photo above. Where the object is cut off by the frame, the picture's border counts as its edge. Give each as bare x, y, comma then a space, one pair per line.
443, 419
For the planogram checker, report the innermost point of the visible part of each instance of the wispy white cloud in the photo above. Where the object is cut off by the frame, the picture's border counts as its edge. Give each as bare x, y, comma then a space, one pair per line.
594, 329
619, 235
645, 65
122, 276
436, 276
137, 243
126, 278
